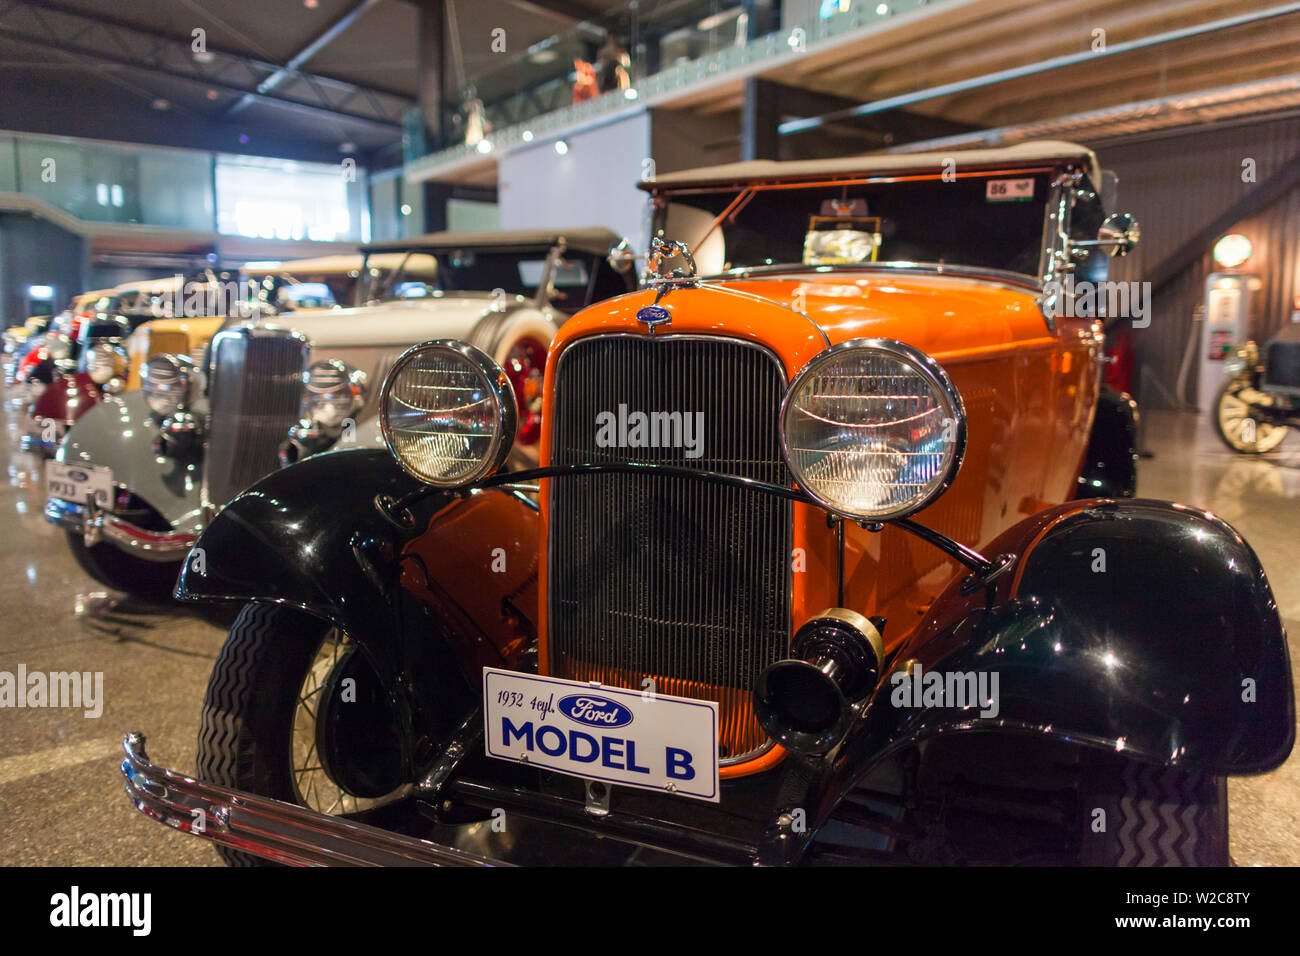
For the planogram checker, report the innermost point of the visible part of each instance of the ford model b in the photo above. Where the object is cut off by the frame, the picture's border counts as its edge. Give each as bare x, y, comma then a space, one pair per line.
831, 555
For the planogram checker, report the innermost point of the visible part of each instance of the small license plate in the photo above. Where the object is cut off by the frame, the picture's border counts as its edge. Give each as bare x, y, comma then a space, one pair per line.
75, 482
624, 737
1009, 190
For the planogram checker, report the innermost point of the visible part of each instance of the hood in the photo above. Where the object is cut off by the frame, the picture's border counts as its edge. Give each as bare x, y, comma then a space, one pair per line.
400, 322
938, 314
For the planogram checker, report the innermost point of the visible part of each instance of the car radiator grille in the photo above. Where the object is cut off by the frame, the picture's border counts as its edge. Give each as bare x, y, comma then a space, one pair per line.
254, 397
682, 581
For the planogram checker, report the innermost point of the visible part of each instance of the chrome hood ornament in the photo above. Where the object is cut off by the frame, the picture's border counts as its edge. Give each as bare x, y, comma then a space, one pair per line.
663, 280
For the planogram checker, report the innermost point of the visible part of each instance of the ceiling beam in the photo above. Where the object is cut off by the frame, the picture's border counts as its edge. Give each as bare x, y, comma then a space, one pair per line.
83, 22
1042, 66
290, 68
565, 10
198, 79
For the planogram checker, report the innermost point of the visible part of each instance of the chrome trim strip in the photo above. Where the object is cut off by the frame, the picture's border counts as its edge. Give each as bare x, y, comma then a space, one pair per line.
271, 828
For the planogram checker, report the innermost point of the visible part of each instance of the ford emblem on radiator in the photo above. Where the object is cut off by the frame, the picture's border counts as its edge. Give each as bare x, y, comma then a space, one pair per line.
653, 315
595, 711
78, 475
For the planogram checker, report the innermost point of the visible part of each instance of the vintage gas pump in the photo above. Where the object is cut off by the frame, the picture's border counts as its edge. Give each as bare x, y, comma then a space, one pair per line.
1227, 315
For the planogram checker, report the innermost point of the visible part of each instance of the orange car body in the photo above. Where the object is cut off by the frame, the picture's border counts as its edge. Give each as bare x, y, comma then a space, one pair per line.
1029, 384
1029, 392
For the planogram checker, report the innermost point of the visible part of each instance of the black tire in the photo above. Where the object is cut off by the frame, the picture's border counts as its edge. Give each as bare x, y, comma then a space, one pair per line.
114, 568
1153, 816
247, 726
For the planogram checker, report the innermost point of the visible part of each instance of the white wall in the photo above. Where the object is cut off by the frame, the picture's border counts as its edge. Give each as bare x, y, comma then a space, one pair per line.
594, 184
468, 215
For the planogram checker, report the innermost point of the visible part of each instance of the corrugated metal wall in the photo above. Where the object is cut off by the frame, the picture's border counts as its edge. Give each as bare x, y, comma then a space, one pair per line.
1177, 185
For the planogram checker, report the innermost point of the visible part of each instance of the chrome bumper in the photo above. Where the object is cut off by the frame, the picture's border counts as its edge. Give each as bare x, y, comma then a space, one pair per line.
278, 831
95, 524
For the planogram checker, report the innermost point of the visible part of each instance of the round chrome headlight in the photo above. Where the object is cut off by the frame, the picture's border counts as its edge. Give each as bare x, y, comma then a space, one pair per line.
166, 381
105, 362
448, 413
873, 429
332, 392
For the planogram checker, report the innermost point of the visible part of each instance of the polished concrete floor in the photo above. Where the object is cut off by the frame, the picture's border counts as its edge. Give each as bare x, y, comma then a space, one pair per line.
61, 801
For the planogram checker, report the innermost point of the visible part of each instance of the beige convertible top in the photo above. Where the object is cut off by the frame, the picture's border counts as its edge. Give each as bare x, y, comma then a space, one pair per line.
321, 265
593, 239
1034, 153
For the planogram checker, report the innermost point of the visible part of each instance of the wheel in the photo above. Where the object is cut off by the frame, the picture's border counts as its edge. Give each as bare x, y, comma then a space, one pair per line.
1142, 815
281, 720
1235, 426
114, 568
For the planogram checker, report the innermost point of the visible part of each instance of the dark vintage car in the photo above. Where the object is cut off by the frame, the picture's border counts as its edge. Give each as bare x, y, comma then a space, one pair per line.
1260, 401
810, 576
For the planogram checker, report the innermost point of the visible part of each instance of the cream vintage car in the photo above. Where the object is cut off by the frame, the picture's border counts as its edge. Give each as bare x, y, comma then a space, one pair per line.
140, 475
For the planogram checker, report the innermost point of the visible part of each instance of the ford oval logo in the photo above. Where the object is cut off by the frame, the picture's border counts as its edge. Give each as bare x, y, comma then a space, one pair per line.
595, 711
653, 315
77, 475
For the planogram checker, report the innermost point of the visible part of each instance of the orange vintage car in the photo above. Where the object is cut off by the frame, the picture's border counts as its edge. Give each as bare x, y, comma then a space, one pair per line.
832, 556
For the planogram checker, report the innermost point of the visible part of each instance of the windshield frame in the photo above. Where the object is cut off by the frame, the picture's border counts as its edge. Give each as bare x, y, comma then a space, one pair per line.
744, 191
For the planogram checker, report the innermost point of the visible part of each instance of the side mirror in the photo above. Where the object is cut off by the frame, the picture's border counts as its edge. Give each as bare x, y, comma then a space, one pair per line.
1119, 233
621, 258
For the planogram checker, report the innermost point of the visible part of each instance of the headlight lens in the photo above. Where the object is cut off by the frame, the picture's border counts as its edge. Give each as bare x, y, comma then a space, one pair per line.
105, 362
332, 391
873, 429
166, 382
448, 413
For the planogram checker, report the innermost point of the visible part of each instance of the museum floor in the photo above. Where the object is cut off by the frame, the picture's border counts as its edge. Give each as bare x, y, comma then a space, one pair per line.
61, 800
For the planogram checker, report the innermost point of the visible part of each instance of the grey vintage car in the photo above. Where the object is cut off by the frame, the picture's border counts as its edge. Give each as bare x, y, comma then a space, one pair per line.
141, 474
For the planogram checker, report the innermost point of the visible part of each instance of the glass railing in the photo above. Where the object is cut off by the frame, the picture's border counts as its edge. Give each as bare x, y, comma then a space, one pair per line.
602, 65
98, 181
105, 182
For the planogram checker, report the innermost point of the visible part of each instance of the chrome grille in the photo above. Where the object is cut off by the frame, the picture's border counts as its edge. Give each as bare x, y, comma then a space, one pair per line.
686, 582
254, 396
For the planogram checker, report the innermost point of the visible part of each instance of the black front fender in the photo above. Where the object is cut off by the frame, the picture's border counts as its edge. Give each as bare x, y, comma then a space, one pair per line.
1138, 627
310, 537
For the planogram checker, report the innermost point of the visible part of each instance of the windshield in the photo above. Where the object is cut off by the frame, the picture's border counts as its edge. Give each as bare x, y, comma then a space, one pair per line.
422, 274
993, 222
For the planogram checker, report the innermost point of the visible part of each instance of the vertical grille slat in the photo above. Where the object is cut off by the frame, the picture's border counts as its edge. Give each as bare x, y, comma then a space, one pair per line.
254, 397
687, 582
